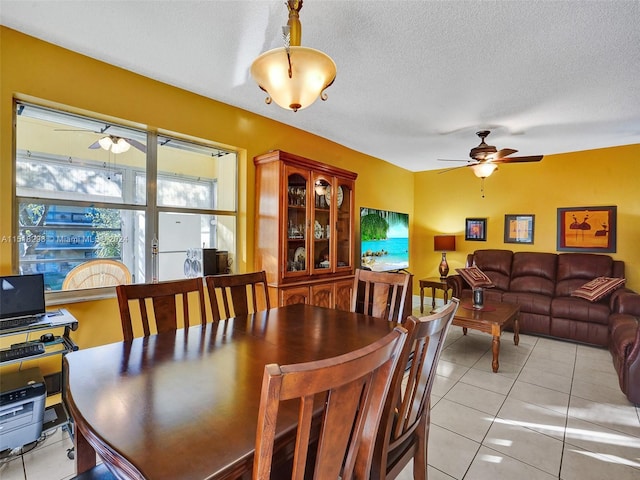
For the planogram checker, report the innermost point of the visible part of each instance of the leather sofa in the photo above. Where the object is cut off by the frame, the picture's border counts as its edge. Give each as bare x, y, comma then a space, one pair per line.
542, 284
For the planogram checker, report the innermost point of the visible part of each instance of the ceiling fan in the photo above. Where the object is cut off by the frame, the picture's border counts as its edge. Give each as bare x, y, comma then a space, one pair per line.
113, 143
485, 158
117, 144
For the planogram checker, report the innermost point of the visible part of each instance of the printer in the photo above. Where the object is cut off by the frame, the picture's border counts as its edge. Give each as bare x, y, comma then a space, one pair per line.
22, 401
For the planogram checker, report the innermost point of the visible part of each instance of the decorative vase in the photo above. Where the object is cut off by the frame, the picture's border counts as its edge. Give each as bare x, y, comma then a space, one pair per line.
444, 266
478, 297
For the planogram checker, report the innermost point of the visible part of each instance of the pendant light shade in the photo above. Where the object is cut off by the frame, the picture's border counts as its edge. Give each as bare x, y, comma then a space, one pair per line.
312, 71
294, 76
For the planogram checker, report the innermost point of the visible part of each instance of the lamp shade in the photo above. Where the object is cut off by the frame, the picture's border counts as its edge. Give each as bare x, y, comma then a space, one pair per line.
311, 72
483, 170
444, 243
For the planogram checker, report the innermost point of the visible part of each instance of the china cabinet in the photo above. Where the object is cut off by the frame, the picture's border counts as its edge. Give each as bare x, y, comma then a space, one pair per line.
305, 229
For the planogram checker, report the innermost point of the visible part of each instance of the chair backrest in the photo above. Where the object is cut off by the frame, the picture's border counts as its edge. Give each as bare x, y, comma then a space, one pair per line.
405, 420
103, 272
235, 291
380, 294
157, 303
352, 390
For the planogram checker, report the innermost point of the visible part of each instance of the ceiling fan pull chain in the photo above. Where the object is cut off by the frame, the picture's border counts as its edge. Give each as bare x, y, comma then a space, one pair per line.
482, 186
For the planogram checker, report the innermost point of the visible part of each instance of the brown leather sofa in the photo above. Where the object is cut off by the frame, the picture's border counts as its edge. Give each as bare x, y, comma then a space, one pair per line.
542, 283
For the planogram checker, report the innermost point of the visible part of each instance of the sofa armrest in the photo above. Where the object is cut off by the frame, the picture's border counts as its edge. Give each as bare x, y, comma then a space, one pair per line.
627, 302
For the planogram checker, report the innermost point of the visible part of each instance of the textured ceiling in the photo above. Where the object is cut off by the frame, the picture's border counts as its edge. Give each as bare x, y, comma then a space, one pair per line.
416, 79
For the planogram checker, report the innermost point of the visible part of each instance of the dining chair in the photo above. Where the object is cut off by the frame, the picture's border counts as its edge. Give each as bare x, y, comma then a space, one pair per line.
229, 295
157, 303
350, 389
380, 294
404, 427
102, 272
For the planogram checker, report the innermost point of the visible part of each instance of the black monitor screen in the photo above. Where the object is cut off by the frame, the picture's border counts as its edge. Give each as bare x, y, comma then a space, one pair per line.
21, 295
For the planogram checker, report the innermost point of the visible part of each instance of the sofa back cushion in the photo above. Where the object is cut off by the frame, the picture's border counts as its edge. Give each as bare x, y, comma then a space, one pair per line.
496, 264
575, 269
534, 273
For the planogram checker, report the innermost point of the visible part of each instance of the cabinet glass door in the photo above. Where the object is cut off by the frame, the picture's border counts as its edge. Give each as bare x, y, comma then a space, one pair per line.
321, 228
297, 222
344, 229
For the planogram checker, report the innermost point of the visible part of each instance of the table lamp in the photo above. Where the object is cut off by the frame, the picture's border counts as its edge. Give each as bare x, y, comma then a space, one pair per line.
444, 244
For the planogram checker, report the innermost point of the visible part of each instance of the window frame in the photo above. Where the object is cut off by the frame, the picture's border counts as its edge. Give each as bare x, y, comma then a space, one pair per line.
150, 207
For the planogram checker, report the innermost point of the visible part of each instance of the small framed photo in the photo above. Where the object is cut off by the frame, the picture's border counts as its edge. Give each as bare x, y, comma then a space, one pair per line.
518, 228
475, 229
587, 229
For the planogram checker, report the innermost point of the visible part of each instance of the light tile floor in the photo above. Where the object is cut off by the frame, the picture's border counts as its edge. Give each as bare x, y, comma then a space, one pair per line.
553, 411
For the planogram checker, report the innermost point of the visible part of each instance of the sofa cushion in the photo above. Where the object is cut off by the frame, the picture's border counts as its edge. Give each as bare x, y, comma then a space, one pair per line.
598, 288
575, 269
475, 277
529, 302
581, 310
496, 264
533, 273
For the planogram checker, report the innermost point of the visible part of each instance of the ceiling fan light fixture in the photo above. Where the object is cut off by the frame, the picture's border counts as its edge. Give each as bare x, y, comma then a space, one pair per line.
294, 76
114, 144
483, 170
106, 142
120, 146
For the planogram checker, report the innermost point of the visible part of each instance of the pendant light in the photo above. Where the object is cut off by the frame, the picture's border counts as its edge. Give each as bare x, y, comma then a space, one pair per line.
294, 76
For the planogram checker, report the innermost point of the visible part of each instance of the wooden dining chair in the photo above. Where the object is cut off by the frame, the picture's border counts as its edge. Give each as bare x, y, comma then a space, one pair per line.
351, 390
404, 428
157, 304
241, 294
380, 294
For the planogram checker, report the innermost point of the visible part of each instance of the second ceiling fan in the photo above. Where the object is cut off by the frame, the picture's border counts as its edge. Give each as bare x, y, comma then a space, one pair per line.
485, 158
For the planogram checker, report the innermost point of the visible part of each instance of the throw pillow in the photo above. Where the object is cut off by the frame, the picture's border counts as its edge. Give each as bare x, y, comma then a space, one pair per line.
598, 288
475, 277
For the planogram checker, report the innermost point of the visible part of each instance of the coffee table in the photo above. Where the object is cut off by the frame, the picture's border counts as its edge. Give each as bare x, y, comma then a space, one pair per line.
493, 318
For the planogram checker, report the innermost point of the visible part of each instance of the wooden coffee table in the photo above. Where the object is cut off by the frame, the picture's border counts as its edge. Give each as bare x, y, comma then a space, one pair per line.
493, 318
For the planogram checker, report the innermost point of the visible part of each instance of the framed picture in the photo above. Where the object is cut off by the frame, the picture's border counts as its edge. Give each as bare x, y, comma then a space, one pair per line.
587, 229
518, 228
475, 229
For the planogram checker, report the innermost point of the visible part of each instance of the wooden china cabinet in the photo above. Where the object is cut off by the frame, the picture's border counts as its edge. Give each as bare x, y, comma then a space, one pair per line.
304, 229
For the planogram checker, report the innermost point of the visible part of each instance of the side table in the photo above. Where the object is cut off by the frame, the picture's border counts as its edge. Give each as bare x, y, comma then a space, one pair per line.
434, 283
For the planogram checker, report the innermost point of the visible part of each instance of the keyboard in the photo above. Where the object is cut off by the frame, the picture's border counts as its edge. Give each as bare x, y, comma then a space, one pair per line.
11, 323
22, 352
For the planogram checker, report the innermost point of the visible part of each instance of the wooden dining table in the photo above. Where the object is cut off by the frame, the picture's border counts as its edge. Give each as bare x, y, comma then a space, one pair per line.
184, 404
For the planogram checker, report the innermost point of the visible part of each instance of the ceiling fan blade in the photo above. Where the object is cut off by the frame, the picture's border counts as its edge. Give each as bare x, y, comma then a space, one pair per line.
94, 145
136, 144
532, 158
451, 160
458, 167
503, 152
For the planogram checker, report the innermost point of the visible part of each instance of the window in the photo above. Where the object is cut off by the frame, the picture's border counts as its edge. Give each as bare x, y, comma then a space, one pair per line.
88, 189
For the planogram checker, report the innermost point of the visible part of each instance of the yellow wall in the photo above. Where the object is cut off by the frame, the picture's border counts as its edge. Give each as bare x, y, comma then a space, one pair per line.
437, 203
591, 178
34, 70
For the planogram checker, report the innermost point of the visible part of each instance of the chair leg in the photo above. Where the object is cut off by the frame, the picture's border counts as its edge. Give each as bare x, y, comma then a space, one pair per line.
420, 454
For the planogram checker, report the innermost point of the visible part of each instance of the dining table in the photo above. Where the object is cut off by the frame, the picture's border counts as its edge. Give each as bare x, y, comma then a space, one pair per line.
184, 404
